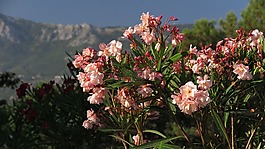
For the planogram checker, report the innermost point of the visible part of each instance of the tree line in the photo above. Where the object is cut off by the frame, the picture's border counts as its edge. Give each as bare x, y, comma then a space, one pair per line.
206, 32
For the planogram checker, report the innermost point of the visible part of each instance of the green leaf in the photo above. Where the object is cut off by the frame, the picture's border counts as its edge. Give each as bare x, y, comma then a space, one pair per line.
168, 49
159, 64
226, 116
156, 143
176, 57
153, 51
227, 90
259, 146
247, 98
155, 132
220, 125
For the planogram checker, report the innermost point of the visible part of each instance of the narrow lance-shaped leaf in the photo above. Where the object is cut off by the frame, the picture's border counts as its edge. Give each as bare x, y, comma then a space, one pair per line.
220, 125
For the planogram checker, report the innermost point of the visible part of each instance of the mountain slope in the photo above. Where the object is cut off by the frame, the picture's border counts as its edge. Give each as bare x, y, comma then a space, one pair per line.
30, 49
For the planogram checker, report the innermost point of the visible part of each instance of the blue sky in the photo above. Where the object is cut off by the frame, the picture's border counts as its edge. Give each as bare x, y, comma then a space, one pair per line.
118, 12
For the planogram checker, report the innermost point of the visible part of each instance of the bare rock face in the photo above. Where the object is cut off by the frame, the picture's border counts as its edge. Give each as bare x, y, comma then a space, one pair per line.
7, 29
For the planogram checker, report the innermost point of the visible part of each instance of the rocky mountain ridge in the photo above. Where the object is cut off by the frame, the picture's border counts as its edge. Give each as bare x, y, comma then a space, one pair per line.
24, 44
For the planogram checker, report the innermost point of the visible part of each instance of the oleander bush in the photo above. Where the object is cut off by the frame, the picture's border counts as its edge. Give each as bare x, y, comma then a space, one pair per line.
217, 89
157, 94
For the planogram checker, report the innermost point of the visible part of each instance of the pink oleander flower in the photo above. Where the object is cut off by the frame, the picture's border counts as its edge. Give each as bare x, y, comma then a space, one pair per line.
79, 61
87, 124
125, 98
177, 39
196, 69
91, 67
92, 120
199, 65
145, 91
145, 74
242, 71
97, 95
90, 79
84, 81
204, 83
92, 116
174, 42
188, 106
188, 90
88, 53
255, 37
190, 99
128, 33
155, 75
148, 37
139, 29
177, 99
145, 18
136, 139
82, 60
149, 75
112, 49
193, 50
96, 78
202, 98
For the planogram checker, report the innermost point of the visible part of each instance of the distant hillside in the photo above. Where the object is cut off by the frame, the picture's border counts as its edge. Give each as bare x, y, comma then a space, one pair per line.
38, 50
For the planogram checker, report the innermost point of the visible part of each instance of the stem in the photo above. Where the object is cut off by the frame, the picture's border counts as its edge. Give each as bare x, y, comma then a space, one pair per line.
232, 132
199, 126
139, 132
123, 143
253, 132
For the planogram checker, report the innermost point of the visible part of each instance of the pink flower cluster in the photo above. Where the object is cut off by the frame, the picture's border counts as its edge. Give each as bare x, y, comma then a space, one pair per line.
225, 59
191, 98
92, 120
255, 38
242, 71
143, 29
148, 30
91, 80
125, 98
147, 73
81, 60
203, 59
112, 49
92, 62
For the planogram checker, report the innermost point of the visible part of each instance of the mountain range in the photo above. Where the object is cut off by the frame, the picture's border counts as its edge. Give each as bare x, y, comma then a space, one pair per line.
37, 51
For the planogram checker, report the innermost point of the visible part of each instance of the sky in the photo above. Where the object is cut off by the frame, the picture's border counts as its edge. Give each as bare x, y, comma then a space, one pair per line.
105, 13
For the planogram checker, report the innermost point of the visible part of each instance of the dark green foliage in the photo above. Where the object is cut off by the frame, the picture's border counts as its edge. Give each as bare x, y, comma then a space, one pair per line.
203, 32
8, 79
229, 25
253, 17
